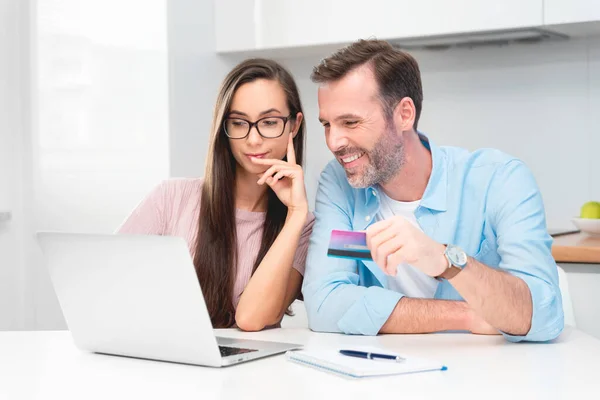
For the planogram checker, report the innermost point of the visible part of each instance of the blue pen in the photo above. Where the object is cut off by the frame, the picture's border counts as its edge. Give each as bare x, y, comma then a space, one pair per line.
371, 356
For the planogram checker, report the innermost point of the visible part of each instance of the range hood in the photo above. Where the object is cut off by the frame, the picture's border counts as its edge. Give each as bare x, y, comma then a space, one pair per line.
478, 39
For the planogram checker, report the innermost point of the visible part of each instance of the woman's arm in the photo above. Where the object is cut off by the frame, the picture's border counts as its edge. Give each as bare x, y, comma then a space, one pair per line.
275, 283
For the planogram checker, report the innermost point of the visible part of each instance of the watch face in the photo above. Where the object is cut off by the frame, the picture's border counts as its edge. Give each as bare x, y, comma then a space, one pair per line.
457, 256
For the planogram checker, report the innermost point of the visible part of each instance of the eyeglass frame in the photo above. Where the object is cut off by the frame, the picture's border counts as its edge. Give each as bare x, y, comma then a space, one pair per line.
255, 124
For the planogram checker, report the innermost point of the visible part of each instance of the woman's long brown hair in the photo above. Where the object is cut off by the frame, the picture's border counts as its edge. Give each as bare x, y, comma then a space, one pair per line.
215, 258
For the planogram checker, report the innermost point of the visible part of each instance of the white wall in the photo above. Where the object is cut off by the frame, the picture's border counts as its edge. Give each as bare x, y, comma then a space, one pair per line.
14, 117
537, 102
195, 72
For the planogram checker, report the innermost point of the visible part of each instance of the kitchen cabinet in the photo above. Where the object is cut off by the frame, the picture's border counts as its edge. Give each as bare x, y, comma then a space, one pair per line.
571, 11
248, 25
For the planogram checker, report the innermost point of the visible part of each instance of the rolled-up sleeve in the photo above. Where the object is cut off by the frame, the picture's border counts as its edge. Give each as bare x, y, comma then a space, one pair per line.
524, 247
334, 298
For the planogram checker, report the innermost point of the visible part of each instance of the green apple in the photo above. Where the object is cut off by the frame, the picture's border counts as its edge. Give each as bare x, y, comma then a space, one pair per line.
591, 209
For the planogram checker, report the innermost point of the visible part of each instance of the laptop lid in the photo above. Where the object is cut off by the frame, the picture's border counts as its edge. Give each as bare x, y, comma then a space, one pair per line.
131, 295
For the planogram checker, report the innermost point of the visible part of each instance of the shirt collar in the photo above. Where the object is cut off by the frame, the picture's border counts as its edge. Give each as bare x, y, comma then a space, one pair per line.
435, 194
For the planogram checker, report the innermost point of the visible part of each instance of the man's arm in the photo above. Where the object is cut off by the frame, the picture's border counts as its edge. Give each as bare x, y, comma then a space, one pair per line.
521, 298
335, 298
428, 315
501, 298
525, 250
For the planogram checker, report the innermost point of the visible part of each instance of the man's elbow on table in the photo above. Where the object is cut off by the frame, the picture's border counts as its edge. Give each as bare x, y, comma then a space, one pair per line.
548, 320
548, 333
318, 320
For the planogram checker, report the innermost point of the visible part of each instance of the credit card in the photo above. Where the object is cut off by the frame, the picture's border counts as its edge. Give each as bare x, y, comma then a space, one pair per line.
349, 244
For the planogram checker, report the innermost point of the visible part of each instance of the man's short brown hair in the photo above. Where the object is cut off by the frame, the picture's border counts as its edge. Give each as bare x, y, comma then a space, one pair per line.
396, 72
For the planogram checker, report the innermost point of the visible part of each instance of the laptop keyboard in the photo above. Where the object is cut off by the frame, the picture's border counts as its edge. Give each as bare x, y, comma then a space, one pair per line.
232, 351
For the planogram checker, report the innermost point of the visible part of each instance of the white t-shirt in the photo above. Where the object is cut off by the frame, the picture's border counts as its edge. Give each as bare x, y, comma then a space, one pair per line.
408, 280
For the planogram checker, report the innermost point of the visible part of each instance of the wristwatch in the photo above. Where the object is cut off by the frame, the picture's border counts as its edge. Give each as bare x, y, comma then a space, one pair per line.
457, 260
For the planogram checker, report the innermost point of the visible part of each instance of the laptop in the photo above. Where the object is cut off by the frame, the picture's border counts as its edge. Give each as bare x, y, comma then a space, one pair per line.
139, 296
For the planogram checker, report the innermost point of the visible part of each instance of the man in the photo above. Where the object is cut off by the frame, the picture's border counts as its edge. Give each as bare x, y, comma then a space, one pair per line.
458, 238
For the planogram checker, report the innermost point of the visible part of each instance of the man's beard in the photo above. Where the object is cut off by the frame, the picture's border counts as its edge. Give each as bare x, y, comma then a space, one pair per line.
385, 160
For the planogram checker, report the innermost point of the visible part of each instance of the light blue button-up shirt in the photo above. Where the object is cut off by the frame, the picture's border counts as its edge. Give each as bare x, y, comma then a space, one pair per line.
486, 202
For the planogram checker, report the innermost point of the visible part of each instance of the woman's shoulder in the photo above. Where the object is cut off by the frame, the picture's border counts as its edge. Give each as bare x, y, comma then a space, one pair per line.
181, 187
183, 183
179, 194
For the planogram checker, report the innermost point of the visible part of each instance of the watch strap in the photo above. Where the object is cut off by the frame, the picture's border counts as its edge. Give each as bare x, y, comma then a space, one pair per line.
449, 272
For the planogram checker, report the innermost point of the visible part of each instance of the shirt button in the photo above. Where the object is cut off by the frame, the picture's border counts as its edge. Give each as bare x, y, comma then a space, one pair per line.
368, 218
374, 192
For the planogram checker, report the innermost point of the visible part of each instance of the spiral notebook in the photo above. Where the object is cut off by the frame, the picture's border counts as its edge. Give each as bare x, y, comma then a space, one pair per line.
330, 360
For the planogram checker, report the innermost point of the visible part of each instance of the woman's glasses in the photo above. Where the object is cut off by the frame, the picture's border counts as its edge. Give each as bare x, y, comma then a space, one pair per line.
267, 127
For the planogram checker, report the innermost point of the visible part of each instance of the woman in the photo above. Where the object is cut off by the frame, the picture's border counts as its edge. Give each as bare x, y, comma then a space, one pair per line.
247, 223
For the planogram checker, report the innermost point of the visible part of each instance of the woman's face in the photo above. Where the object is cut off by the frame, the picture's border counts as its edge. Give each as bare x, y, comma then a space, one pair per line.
264, 101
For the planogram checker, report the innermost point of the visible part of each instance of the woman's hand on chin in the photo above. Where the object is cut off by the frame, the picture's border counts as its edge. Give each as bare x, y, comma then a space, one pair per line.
286, 178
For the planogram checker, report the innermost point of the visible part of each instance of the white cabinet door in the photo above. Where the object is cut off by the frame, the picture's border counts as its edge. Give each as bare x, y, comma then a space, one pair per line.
270, 24
571, 11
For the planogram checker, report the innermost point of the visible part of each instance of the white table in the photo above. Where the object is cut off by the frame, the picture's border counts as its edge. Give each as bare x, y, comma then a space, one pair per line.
46, 365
